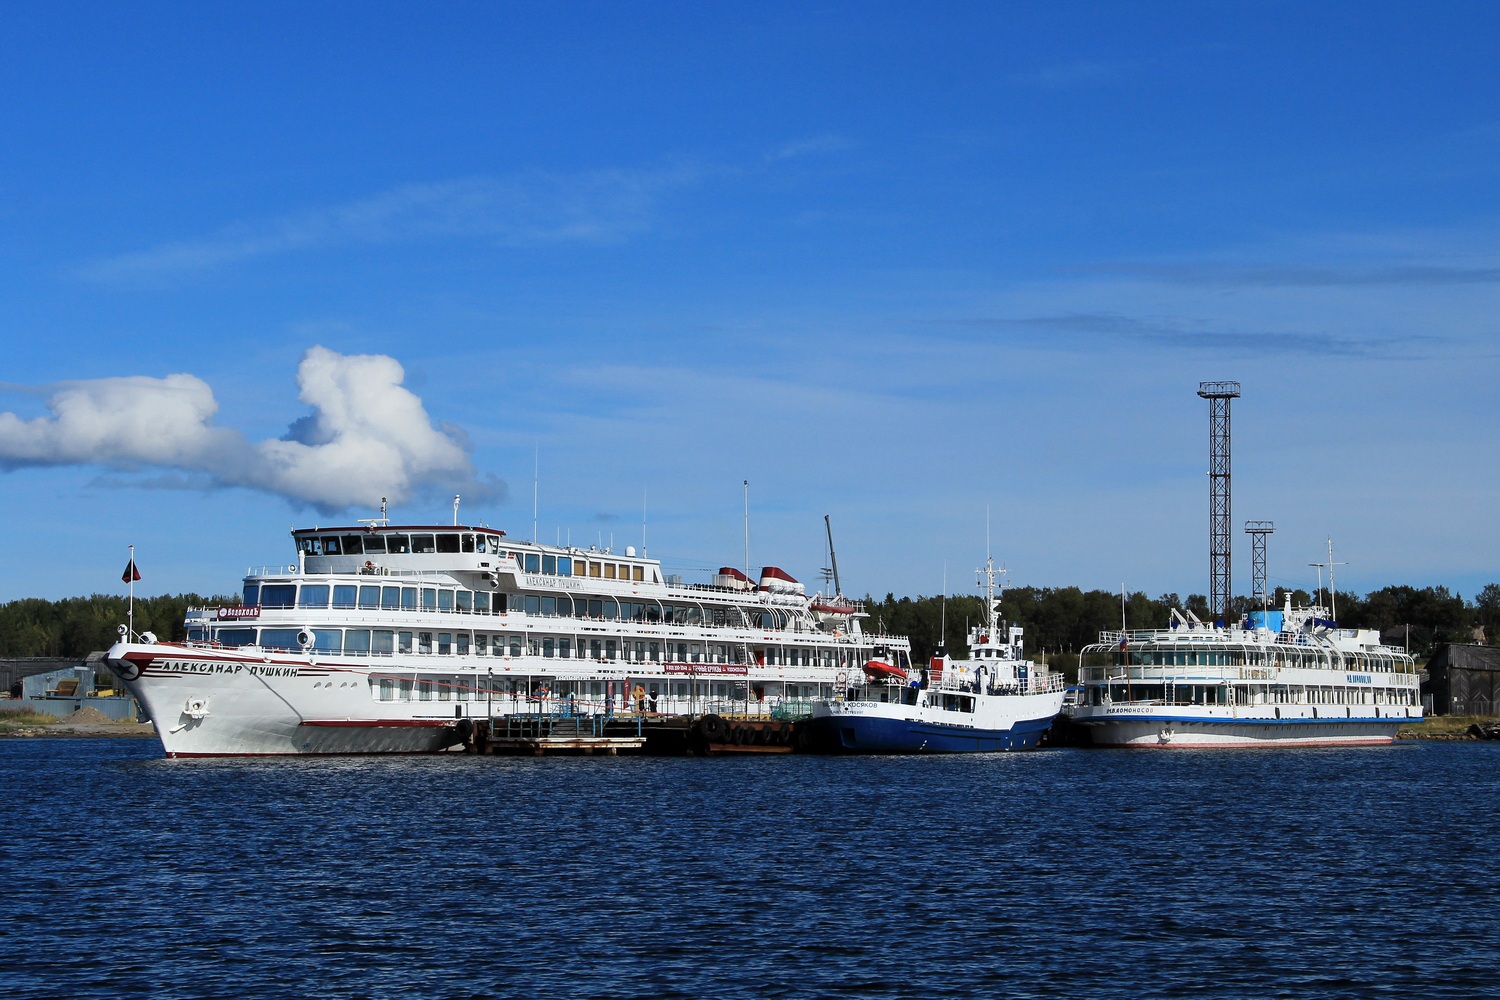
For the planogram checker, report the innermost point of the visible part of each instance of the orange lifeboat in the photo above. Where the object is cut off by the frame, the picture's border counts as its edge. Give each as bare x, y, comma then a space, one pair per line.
879, 670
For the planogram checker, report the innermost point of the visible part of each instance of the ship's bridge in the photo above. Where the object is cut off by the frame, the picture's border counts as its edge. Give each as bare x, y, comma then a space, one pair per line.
429, 548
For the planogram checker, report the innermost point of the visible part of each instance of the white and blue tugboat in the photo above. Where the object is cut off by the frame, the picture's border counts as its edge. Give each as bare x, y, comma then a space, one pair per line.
995, 700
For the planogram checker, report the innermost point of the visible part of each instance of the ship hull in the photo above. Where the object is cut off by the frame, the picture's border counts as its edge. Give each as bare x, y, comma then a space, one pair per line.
1182, 733
881, 728
205, 705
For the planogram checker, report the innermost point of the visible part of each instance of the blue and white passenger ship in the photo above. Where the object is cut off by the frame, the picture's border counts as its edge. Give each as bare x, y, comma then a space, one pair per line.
1282, 678
995, 700
384, 638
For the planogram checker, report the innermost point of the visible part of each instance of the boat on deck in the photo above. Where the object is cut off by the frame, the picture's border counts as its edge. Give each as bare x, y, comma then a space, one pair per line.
995, 700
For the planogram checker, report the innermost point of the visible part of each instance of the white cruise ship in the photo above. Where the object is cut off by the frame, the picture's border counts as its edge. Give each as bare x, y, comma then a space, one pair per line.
1282, 678
384, 638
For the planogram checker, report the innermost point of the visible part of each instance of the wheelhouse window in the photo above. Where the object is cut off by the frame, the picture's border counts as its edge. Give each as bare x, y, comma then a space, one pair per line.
448, 543
398, 544
354, 545
423, 543
252, 594
375, 544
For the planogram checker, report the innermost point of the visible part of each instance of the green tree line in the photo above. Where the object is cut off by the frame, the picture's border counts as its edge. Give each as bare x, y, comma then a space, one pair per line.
77, 626
1058, 620
1062, 620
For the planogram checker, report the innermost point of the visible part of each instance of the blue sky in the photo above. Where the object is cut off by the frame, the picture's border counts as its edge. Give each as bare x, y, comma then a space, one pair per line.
920, 267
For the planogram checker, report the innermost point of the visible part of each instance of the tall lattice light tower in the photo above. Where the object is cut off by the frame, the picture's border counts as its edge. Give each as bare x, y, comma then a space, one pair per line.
1218, 395
1258, 530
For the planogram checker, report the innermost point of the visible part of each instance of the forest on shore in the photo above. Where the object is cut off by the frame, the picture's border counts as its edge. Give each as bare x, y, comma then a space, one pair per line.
1058, 620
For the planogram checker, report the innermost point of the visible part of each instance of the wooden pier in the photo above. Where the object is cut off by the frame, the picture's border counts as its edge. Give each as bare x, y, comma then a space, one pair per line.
657, 735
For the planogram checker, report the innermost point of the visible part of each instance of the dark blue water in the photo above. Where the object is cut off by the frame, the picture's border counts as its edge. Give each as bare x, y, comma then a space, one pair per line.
1063, 873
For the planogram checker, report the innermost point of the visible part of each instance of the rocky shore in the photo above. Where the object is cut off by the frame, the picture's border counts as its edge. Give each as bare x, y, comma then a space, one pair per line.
84, 722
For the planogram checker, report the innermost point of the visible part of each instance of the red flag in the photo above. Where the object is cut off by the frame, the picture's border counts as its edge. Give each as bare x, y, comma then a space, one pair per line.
131, 574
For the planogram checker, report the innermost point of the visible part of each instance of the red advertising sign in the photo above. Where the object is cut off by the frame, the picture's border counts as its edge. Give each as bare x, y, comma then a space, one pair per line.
731, 669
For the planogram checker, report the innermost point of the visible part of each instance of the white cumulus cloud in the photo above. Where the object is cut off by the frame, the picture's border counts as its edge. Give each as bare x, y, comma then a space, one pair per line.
366, 437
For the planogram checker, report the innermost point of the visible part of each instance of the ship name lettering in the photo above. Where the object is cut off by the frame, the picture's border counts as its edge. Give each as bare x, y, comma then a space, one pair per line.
554, 582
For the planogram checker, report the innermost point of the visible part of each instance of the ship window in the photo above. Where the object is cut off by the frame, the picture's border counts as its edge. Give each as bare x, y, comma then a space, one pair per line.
369, 597
280, 595
548, 647
405, 690
494, 541
375, 544
252, 594
445, 600
469, 543
639, 573
447, 543
549, 606
445, 643
423, 543
307, 546
357, 640
313, 595
461, 643
387, 689
595, 647
481, 602
403, 640
499, 645
515, 645
327, 640
278, 638
330, 546
549, 565
424, 642
398, 544
383, 641
655, 653
429, 598
565, 647
532, 562
424, 690
353, 545
409, 598
344, 595
609, 649
609, 571
464, 600
564, 566
390, 597
595, 569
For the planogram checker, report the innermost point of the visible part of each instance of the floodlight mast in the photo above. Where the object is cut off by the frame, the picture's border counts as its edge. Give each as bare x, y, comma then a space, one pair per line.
1218, 395
1258, 530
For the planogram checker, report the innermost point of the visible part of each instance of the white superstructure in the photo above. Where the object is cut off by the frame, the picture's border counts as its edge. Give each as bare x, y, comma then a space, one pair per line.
1281, 678
382, 638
